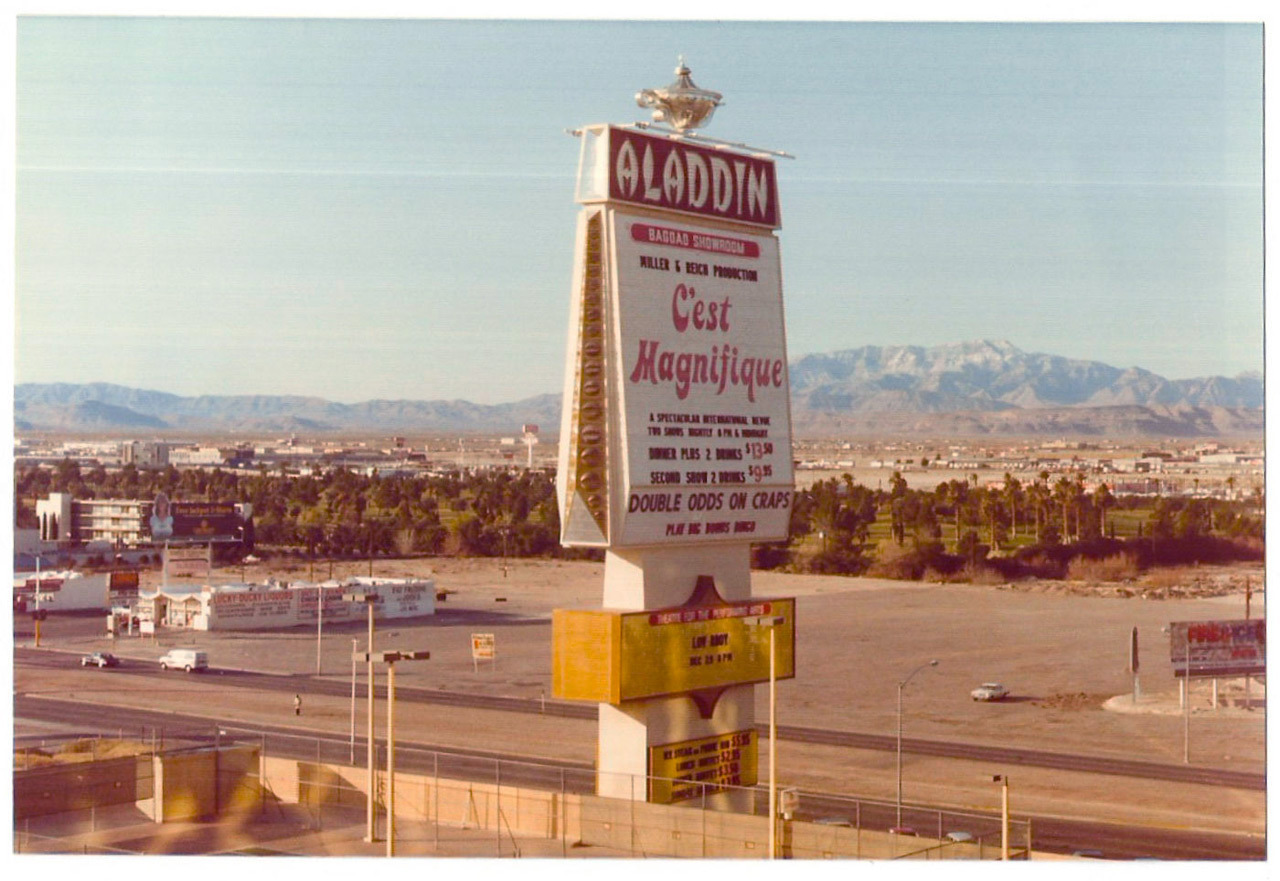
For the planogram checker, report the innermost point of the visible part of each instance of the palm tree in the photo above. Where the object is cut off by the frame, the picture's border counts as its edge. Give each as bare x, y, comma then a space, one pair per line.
1036, 498
990, 507
1064, 494
1102, 500
1012, 495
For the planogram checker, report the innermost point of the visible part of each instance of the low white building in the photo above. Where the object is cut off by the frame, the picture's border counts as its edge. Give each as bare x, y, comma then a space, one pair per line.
67, 591
272, 606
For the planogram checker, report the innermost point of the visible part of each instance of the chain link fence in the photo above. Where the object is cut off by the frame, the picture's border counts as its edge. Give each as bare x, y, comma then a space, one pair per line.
469, 803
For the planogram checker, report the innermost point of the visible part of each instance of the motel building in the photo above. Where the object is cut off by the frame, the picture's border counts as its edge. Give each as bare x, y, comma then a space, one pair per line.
66, 521
275, 606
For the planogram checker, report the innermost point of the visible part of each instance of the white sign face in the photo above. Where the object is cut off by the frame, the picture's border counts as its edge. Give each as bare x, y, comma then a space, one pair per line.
706, 420
482, 646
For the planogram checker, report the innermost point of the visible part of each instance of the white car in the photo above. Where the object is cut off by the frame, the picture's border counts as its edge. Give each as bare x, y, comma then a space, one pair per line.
989, 691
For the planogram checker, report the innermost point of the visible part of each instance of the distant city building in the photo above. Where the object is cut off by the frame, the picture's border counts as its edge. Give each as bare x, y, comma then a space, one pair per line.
144, 454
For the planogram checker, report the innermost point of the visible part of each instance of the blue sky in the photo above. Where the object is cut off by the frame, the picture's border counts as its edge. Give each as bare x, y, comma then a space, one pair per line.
365, 209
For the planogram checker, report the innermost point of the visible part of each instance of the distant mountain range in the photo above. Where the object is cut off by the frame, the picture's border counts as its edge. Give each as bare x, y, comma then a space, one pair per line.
963, 389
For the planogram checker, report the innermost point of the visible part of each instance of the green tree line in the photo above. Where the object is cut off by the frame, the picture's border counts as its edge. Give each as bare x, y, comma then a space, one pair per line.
838, 526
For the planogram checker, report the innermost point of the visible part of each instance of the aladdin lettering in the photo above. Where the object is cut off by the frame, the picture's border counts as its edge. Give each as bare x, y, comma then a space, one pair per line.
659, 172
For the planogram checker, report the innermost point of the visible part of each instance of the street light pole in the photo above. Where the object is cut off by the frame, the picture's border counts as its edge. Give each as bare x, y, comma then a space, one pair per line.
901, 686
368, 598
319, 623
1186, 712
773, 748
355, 643
772, 623
390, 658
391, 758
1003, 780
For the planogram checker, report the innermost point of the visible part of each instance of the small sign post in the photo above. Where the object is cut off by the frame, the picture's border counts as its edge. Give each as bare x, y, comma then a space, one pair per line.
483, 648
1133, 662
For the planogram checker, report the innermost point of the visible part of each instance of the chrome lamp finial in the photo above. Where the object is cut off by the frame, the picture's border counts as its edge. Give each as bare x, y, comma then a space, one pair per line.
682, 104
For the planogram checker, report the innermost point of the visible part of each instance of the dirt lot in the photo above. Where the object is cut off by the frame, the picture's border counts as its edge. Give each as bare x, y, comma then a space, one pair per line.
1061, 650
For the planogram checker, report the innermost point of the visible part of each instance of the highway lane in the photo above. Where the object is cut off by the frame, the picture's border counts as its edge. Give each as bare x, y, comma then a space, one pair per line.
1049, 833
1003, 756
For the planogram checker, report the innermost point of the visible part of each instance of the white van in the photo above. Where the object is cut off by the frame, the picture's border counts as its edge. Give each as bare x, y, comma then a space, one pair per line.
184, 659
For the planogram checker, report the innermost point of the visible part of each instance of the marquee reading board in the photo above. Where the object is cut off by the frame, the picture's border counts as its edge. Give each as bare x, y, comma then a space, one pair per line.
610, 656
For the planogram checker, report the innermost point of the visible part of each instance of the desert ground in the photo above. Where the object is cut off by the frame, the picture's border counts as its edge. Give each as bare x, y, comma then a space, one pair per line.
1061, 648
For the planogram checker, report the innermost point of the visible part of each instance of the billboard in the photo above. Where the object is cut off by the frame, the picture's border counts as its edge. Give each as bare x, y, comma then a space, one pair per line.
164, 520
611, 656
123, 584
188, 562
693, 768
1218, 648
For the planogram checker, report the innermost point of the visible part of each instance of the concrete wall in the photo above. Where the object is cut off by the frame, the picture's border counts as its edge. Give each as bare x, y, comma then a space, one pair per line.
634, 827
423, 798
56, 789
207, 783
178, 786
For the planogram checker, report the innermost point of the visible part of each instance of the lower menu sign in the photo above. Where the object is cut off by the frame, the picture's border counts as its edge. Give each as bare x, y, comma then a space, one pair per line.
690, 768
705, 394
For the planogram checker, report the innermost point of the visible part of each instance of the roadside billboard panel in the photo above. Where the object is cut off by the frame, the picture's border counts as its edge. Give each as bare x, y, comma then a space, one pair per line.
1206, 649
166, 520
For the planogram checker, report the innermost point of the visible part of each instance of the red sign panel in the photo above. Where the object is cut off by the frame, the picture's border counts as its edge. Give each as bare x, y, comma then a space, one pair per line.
675, 175
123, 582
693, 240
1218, 648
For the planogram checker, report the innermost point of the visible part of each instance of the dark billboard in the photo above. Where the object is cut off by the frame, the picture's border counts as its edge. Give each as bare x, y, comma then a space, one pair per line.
199, 521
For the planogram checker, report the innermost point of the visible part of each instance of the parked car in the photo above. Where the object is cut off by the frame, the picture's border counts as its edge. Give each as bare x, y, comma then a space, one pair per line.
959, 836
1087, 854
100, 659
989, 691
834, 821
902, 830
184, 659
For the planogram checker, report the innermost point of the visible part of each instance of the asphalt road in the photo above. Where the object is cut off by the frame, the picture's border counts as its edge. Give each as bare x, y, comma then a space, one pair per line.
942, 749
1049, 834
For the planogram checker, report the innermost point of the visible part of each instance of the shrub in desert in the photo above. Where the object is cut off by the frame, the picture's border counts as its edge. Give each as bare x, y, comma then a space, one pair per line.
911, 563
1117, 567
982, 574
1171, 576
